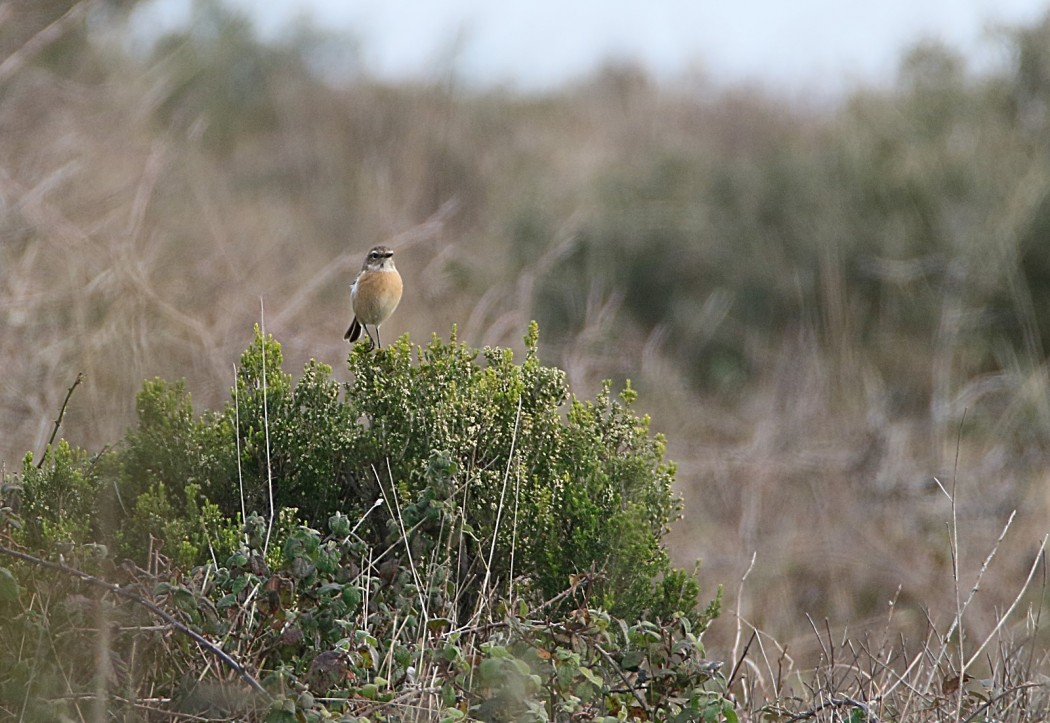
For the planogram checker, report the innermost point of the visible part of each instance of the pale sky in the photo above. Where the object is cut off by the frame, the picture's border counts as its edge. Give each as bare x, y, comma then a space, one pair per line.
818, 45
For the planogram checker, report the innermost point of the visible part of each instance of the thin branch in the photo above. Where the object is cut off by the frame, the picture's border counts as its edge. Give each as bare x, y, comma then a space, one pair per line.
393, 505
266, 426
996, 698
616, 668
740, 660
828, 656
58, 421
567, 592
377, 503
398, 700
240, 457
1009, 611
739, 604
957, 624
499, 510
841, 701
152, 607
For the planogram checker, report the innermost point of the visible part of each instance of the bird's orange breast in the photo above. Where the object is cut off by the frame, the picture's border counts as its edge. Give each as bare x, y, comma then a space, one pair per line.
376, 295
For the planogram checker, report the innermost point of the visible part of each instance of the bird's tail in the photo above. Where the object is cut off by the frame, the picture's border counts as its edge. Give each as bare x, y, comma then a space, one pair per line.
354, 332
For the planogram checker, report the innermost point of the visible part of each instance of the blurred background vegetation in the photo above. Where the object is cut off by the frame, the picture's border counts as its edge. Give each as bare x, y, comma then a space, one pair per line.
825, 308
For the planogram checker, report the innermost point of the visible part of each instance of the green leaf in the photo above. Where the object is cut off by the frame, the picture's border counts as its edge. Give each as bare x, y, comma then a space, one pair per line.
239, 584
632, 660
438, 625
339, 524
591, 676
9, 589
491, 671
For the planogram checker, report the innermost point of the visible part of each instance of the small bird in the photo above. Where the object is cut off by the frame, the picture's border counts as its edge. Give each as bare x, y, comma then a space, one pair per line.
374, 295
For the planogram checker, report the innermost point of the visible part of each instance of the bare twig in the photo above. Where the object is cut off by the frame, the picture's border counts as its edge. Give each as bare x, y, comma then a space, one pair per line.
567, 592
266, 427
740, 660
398, 700
237, 437
996, 698
58, 420
152, 607
739, 603
841, 701
396, 508
828, 656
499, 510
956, 553
1009, 611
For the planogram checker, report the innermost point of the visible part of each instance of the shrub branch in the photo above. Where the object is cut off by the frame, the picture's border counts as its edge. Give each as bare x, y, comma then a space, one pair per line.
59, 418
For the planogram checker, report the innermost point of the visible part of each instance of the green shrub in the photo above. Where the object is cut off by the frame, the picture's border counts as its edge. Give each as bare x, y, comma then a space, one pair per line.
483, 465
59, 499
486, 451
481, 527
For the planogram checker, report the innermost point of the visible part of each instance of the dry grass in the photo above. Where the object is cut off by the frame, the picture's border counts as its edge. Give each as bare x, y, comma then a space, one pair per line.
141, 230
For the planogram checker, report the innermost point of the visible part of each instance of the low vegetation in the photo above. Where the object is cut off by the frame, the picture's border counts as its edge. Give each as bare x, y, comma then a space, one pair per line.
443, 537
